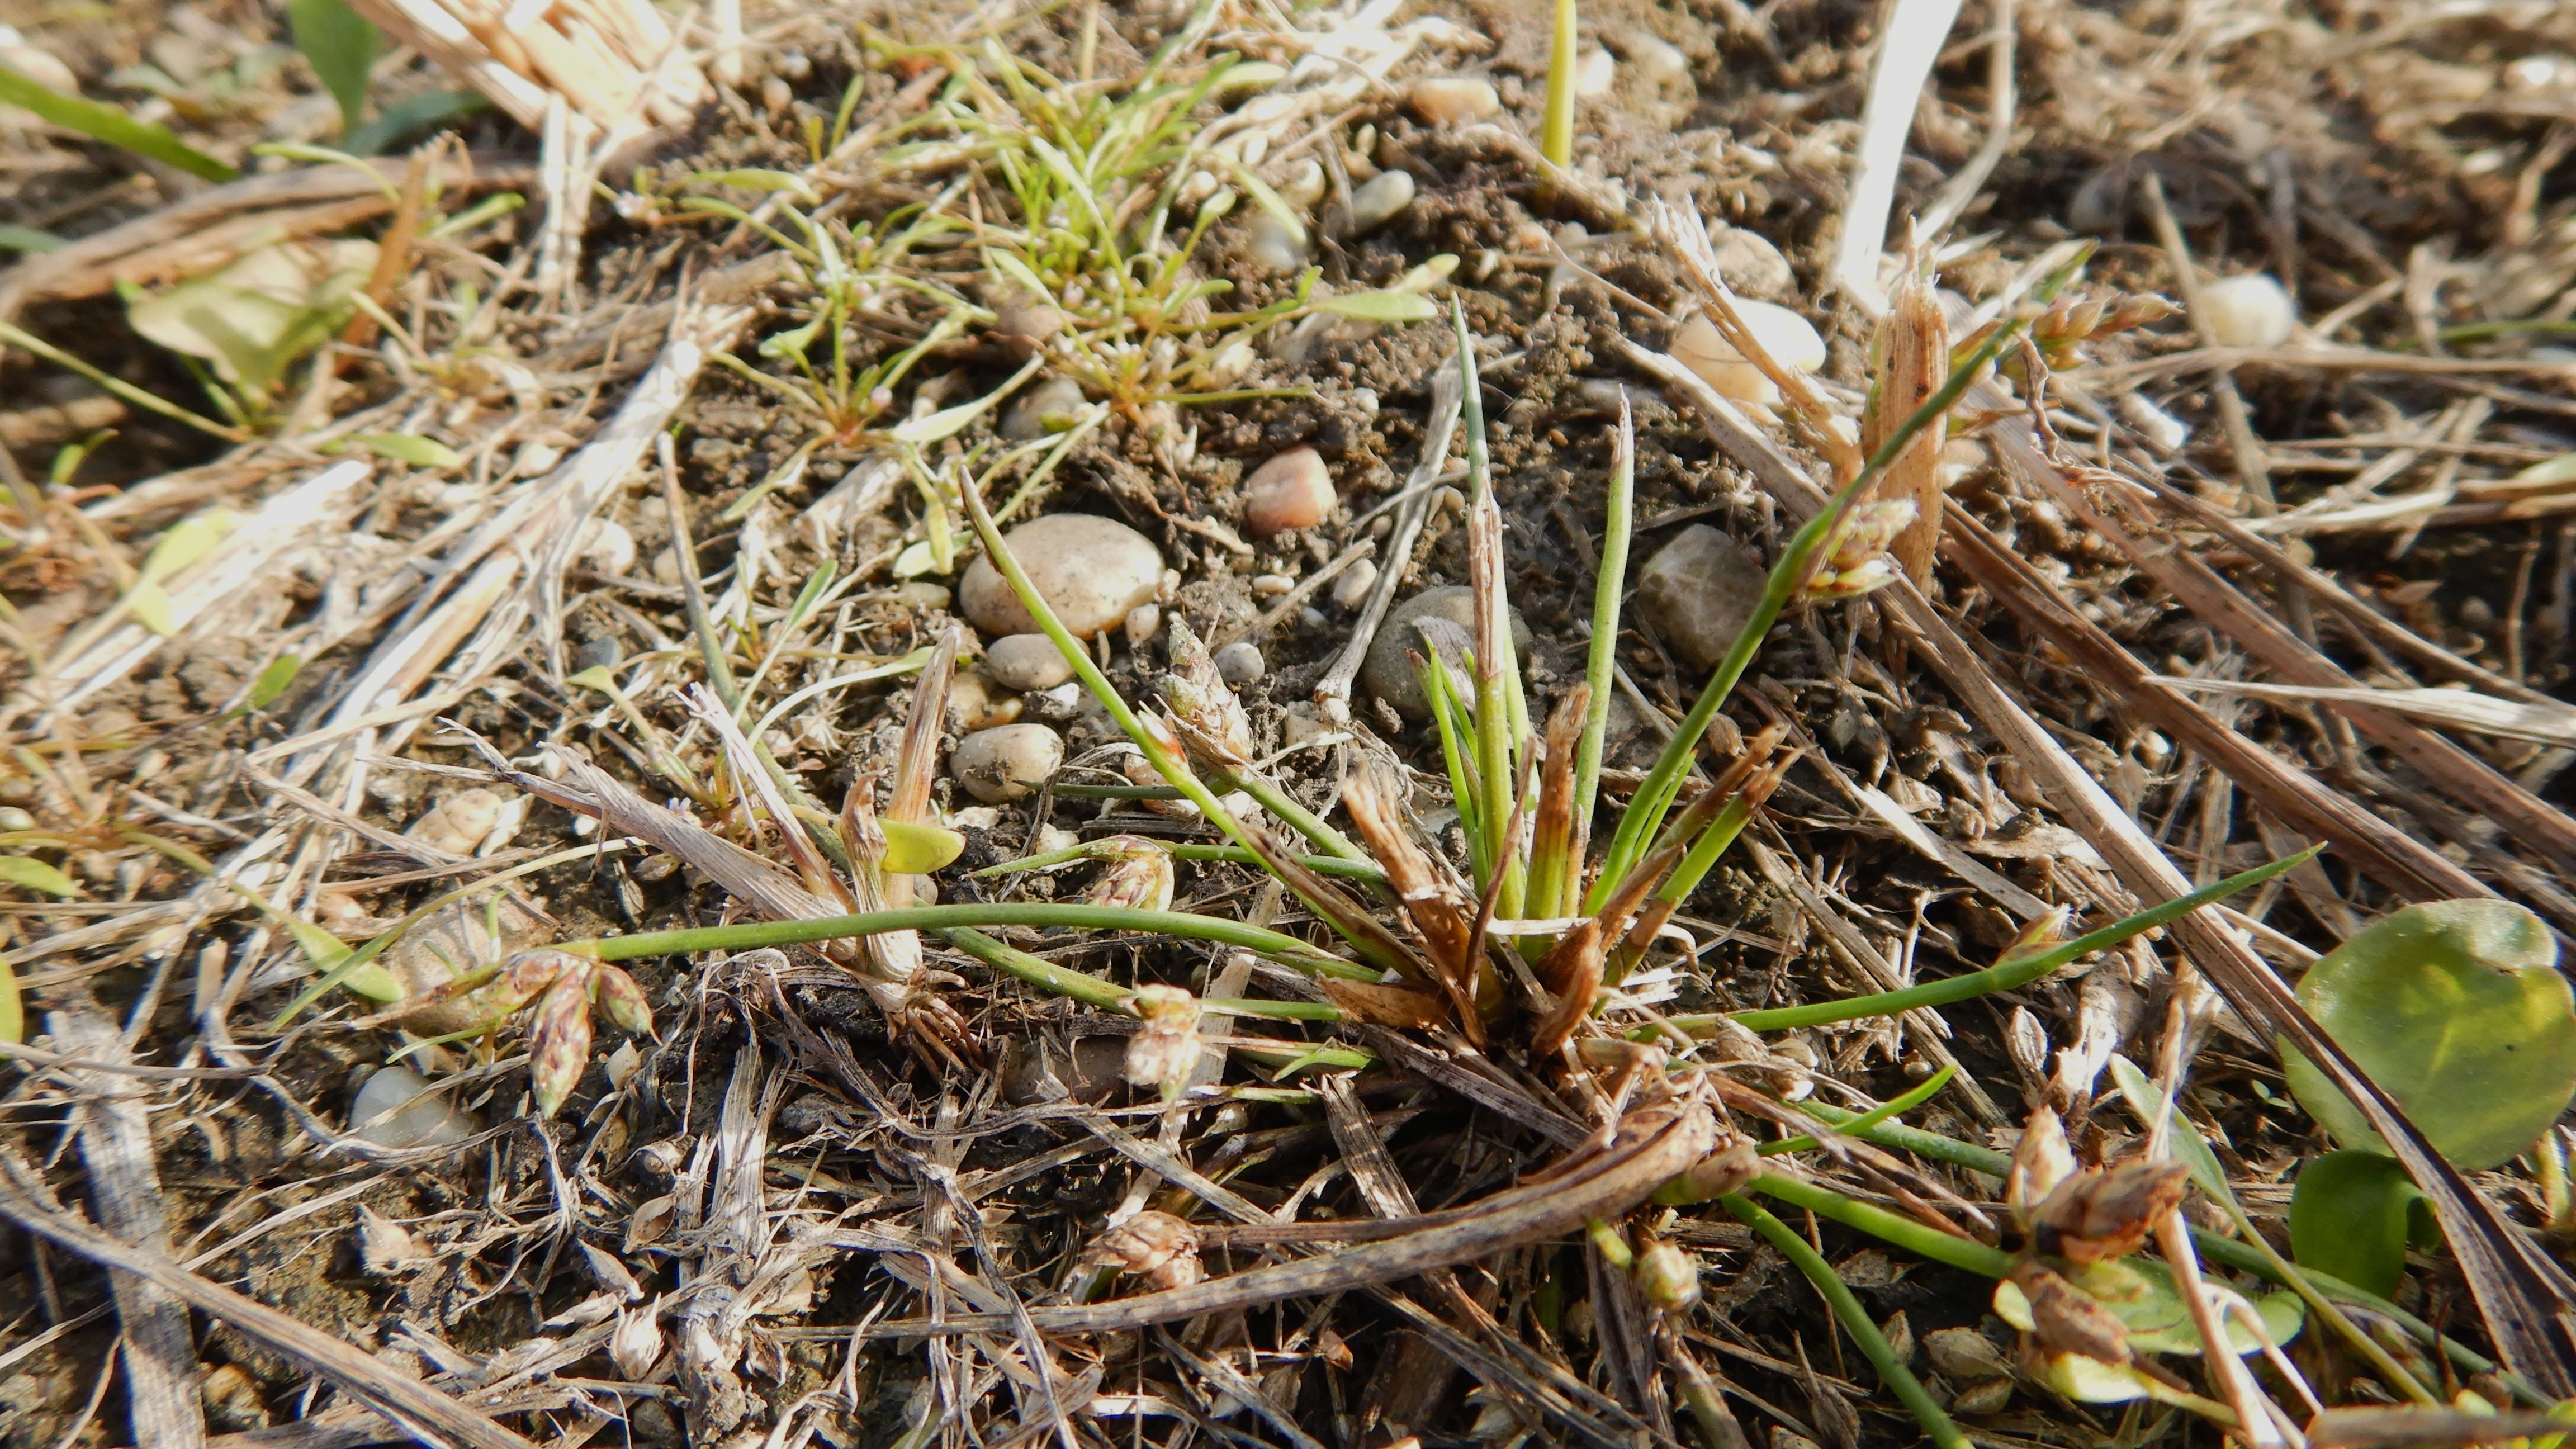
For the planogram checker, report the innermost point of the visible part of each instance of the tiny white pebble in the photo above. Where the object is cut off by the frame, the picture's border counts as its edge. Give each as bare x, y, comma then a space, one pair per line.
1352, 589
1450, 100
1143, 622
1594, 73
1240, 663
1274, 245
1271, 586
1381, 200
1656, 59
2248, 311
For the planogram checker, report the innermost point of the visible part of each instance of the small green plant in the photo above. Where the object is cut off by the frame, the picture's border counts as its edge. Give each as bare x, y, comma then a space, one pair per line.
109, 125
1556, 132
341, 45
2458, 1011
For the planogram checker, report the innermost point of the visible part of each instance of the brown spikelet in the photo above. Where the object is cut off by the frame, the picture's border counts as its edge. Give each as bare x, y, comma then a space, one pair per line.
1441, 917
1913, 361
1381, 1005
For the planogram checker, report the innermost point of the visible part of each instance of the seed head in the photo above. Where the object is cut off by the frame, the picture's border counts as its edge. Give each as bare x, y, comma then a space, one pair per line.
2107, 1213
636, 1345
1165, 1049
1204, 712
1153, 1245
621, 1001
559, 1044
2041, 1160
2066, 1319
1138, 876
1668, 1277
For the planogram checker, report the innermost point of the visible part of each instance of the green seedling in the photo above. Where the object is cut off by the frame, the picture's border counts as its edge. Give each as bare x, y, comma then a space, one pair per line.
2457, 1010
341, 46
111, 126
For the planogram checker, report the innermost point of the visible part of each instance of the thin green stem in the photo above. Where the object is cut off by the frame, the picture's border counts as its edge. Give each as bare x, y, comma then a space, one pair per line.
1855, 1319
2005, 975
1892, 1107
1910, 1234
1601, 661
1287, 950
2224, 1250
1191, 850
1556, 132
1165, 762
1495, 735
1266, 792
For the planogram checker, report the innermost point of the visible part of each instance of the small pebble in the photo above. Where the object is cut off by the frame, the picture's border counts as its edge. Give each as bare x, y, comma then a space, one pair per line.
1304, 186
2163, 431
458, 823
1271, 586
233, 1401
1791, 340
1026, 661
1292, 490
1594, 73
924, 595
1964, 1354
1658, 60
608, 547
666, 567
1240, 663
1031, 414
1027, 319
13, 818
1389, 674
1274, 245
430, 1122
973, 703
1004, 764
535, 458
36, 63
1351, 590
776, 95
1750, 264
1091, 570
1452, 100
1381, 201
1143, 622
2248, 311
1698, 591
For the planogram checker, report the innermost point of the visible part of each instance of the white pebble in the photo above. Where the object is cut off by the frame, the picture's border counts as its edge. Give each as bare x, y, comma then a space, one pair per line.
458, 823
1143, 622
2163, 431
608, 547
1658, 60
1594, 73
1452, 100
1304, 186
1006, 763
1381, 200
1091, 570
1271, 586
36, 63
1790, 339
1274, 245
2248, 311
1352, 589
430, 1122
1026, 661
1240, 663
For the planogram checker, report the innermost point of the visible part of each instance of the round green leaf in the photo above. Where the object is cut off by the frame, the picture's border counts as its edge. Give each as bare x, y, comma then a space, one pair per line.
2142, 1295
2348, 1217
2457, 1010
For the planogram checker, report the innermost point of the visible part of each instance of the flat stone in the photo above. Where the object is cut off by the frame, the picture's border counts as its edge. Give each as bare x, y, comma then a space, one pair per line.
1026, 661
431, 1122
1004, 764
1389, 674
1698, 591
1091, 570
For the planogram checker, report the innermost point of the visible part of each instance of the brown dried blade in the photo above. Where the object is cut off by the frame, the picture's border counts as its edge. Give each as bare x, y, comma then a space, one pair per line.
916, 763
1438, 911
1556, 870
1346, 916
1654, 1144
2463, 776
1913, 363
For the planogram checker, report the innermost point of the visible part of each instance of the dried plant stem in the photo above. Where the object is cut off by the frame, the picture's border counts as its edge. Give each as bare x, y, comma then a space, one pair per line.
1855, 1320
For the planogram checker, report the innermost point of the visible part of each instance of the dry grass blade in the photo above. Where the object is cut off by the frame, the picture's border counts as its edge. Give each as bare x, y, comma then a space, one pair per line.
402, 1402
1913, 361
